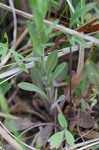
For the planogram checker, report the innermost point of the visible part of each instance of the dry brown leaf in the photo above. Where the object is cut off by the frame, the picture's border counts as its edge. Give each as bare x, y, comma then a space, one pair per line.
74, 84
91, 135
85, 120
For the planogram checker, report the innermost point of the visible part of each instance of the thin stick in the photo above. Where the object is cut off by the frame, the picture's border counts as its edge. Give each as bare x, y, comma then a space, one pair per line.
9, 139
35, 126
15, 138
58, 27
70, 83
3, 115
10, 77
85, 143
14, 22
20, 39
89, 145
80, 59
61, 53
71, 6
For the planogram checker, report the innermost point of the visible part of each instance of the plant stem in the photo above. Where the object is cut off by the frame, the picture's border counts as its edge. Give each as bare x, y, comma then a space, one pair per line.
82, 5
70, 67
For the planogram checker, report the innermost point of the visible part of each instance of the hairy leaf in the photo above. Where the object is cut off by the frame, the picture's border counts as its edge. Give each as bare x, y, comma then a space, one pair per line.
57, 72
31, 87
51, 62
56, 139
69, 138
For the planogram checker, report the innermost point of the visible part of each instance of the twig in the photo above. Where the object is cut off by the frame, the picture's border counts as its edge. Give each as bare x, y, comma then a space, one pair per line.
20, 39
61, 53
5, 115
84, 135
85, 143
10, 77
71, 6
80, 59
15, 138
15, 70
58, 27
35, 126
14, 22
89, 145
9, 139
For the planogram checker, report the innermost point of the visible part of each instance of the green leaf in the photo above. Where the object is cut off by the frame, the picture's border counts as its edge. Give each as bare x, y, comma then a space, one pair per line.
31, 87
4, 87
4, 48
51, 62
62, 121
81, 11
36, 43
93, 73
38, 19
63, 74
33, 3
95, 147
51, 27
83, 3
43, 6
6, 37
39, 9
36, 77
3, 103
56, 139
69, 138
40, 6
83, 108
53, 4
19, 60
57, 72
80, 41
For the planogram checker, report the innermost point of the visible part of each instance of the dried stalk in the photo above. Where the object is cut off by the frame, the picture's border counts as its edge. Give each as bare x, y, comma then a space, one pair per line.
49, 23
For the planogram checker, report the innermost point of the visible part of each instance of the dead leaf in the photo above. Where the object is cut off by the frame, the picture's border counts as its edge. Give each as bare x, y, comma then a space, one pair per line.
74, 84
89, 27
85, 120
72, 125
90, 135
20, 124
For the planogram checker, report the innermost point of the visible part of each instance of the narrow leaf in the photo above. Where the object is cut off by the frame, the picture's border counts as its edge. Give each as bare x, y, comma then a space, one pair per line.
57, 72
19, 60
31, 87
51, 62
53, 4
36, 43
43, 6
83, 106
4, 87
62, 121
36, 77
81, 11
